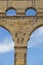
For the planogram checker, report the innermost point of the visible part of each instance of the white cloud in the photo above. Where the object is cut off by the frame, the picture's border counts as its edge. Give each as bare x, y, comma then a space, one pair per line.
6, 48
6, 45
36, 39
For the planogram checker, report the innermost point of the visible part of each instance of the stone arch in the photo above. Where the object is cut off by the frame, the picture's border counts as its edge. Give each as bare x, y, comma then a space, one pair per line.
36, 27
32, 30
32, 9
35, 38
9, 38
9, 30
10, 8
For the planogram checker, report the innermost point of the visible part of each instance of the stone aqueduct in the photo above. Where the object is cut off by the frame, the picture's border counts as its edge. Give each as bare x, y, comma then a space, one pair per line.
21, 26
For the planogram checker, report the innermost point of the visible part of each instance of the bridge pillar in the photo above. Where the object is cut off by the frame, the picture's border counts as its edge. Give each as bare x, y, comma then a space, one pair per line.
20, 55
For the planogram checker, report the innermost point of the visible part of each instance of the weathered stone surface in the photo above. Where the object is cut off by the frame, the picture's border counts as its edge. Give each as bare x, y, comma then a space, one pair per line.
21, 26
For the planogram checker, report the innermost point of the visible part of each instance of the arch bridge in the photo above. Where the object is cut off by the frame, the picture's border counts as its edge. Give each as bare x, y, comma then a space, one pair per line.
21, 26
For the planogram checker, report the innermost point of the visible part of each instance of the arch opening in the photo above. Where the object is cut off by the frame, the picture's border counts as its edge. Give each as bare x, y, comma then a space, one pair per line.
6, 47
35, 47
10, 12
31, 12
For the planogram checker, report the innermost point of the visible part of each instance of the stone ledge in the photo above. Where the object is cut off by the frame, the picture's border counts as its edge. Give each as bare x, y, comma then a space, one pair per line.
20, 47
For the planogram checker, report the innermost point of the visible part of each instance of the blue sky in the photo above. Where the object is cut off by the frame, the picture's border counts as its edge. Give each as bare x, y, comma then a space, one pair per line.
35, 48
35, 45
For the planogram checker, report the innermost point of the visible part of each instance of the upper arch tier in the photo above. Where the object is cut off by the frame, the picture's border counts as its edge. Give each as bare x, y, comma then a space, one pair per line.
21, 5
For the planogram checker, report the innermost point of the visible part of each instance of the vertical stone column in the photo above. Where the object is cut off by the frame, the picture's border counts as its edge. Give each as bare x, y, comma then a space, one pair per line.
20, 55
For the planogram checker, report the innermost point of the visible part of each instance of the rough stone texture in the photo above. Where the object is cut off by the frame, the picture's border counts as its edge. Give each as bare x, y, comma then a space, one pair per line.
21, 26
